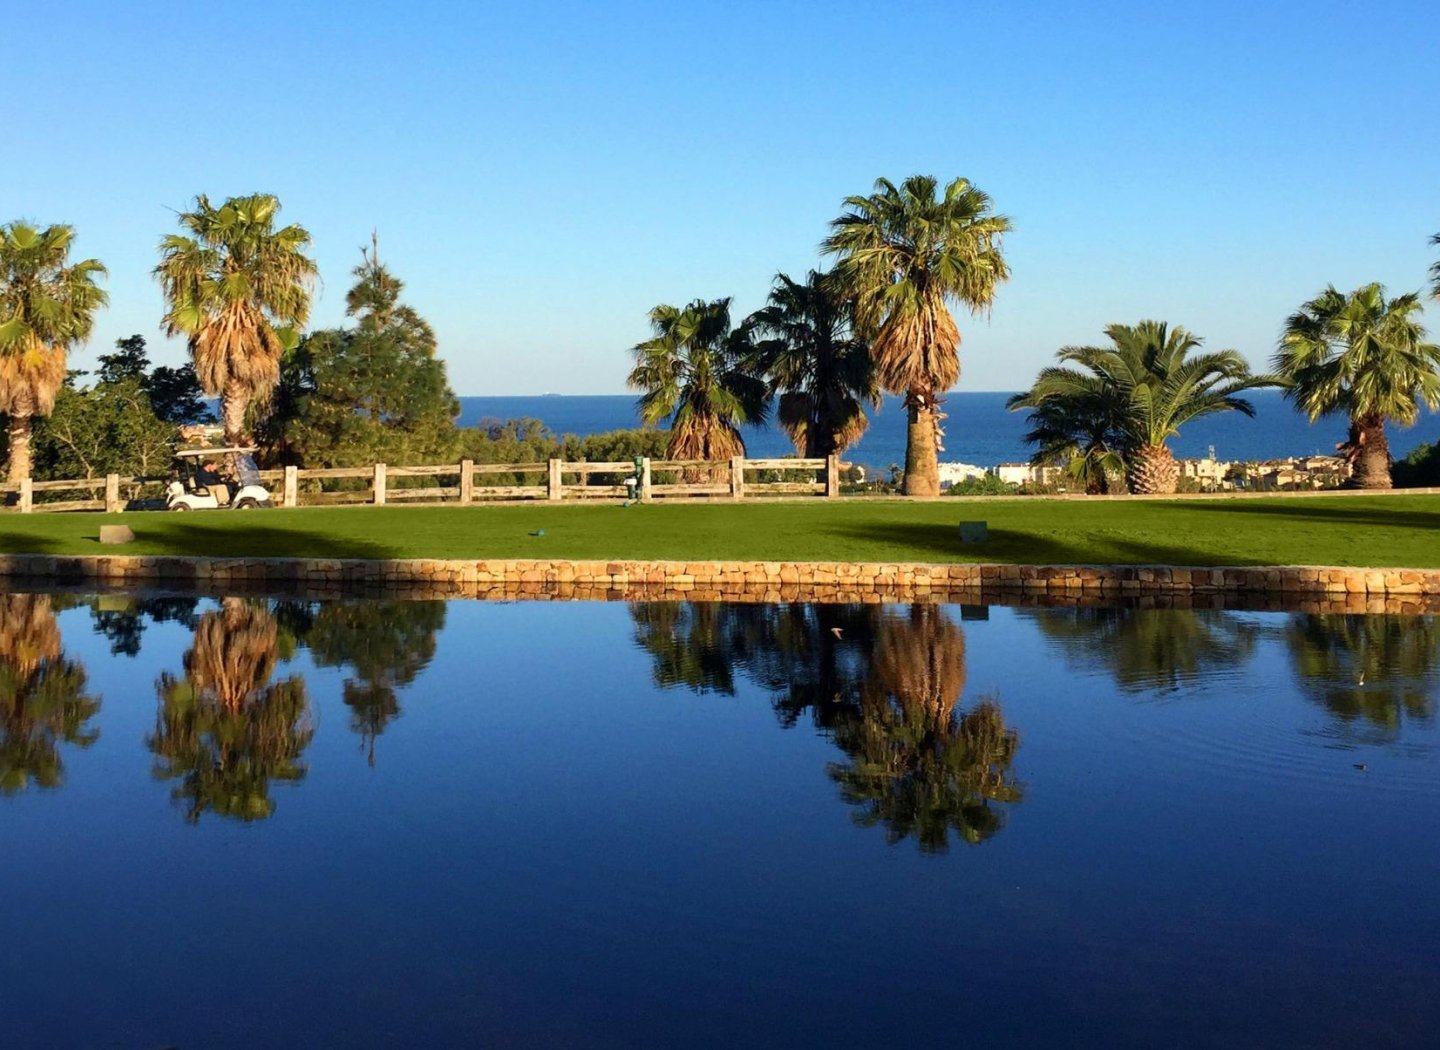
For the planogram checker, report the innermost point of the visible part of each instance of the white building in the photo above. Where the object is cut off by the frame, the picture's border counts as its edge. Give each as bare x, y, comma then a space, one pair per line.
954, 473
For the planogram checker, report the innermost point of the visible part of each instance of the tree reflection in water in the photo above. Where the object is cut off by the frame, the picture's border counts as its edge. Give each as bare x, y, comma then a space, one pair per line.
386, 644
1145, 649
224, 731
1371, 672
122, 620
43, 702
883, 685
916, 765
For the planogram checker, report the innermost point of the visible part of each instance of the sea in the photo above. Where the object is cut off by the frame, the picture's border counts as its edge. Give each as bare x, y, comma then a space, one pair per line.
979, 430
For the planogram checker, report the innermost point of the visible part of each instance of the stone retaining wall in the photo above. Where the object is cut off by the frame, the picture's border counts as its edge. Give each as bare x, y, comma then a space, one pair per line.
1413, 590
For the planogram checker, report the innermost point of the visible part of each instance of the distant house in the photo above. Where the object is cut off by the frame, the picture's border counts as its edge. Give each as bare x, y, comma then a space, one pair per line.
953, 473
1030, 474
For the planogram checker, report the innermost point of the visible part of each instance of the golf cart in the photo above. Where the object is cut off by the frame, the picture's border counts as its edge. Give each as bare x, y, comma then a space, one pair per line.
198, 482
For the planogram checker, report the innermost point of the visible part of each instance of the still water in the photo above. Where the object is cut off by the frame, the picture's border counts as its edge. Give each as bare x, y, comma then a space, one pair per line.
275, 823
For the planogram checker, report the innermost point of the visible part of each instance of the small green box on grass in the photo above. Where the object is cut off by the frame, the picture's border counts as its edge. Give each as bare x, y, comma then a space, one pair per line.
973, 532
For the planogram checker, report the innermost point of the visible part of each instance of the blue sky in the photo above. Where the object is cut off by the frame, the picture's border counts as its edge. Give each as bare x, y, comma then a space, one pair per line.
542, 174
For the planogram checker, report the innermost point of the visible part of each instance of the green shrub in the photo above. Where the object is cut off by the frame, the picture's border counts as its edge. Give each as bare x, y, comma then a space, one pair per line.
986, 485
1420, 469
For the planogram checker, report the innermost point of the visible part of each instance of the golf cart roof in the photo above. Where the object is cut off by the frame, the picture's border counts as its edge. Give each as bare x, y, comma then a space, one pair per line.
208, 452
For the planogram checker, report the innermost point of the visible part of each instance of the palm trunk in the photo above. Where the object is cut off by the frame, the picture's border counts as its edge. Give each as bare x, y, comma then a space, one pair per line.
1372, 453
19, 446
234, 400
922, 469
1153, 471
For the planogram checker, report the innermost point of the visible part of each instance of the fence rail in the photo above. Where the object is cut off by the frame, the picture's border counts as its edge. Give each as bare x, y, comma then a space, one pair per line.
380, 483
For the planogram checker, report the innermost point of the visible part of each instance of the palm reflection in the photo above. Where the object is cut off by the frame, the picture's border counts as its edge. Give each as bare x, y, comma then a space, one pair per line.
1143, 649
43, 702
883, 685
1373, 673
916, 765
224, 730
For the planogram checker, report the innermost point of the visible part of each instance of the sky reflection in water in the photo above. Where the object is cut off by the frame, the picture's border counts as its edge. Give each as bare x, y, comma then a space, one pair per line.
246, 823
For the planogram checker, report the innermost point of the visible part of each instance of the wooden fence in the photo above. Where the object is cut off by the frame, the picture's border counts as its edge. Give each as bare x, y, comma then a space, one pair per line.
464, 483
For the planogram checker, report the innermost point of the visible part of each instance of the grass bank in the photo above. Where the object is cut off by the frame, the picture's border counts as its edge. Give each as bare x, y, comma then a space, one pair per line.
1380, 531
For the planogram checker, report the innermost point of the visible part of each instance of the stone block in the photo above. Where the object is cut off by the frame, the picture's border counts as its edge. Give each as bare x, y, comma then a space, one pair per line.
112, 534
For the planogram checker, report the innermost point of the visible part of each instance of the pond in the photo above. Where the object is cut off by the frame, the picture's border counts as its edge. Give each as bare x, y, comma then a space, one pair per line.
269, 822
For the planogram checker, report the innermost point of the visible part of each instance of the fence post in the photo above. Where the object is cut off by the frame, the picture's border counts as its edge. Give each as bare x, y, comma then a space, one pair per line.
832, 476
290, 495
379, 484
737, 477
112, 494
553, 482
27, 495
467, 480
645, 480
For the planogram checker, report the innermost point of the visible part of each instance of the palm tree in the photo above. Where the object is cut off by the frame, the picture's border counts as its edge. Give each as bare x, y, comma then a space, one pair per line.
1366, 356
1435, 271
823, 373
237, 288
1146, 386
1083, 433
904, 257
696, 372
47, 306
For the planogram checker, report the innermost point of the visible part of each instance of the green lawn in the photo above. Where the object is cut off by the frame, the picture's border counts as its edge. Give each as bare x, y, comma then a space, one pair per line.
1379, 531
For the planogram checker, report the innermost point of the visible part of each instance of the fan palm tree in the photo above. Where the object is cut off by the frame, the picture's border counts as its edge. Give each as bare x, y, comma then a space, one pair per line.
1366, 356
904, 256
1435, 271
697, 372
823, 373
1146, 385
47, 306
237, 288
1083, 433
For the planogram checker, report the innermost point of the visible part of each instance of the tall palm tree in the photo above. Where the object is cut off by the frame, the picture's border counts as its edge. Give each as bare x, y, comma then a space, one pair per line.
1082, 433
1149, 385
47, 306
1366, 356
1435, 270
237, 288
696, 371
822, 371
905, 255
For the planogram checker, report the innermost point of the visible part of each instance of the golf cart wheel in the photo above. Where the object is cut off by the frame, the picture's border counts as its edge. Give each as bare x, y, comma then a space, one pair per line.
180, 506
246, 504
